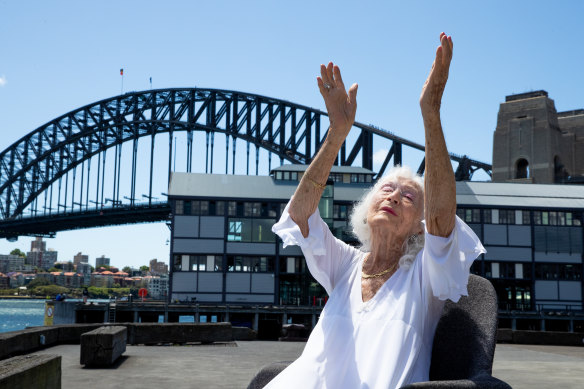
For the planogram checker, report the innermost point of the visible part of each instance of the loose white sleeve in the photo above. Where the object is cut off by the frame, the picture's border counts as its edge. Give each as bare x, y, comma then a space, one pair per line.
326, 256
446, 261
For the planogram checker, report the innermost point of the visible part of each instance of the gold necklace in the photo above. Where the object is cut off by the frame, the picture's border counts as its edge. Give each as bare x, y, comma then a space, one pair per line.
366, 276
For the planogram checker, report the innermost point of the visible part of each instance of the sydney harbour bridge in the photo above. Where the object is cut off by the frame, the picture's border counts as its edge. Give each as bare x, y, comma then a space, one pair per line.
99, 165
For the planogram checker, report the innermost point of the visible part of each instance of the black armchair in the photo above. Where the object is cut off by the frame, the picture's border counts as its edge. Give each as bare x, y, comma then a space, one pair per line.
464, 344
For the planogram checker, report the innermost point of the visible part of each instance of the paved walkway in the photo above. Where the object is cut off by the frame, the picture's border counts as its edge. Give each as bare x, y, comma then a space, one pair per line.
233, 365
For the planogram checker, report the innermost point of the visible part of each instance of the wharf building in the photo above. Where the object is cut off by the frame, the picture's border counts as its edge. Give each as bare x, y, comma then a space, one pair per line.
223, 250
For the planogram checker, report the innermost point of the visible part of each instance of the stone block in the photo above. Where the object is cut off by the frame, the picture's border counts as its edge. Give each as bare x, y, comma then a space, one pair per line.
31, 371
103, 346
244, 333
155, 333
21, 342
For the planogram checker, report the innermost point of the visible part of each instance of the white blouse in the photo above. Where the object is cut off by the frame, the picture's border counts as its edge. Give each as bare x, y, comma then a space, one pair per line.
385, 342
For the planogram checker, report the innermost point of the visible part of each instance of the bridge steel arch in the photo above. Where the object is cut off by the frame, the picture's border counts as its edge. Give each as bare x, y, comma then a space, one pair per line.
35, 163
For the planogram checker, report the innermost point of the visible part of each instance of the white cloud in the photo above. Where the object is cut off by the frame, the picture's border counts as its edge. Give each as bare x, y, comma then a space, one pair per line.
2, 80
379, 156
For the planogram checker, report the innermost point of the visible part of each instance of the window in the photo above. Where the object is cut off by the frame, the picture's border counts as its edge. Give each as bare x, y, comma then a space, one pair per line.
294, 176
526, 217
232, 208
240, 263
340, 211
278, 175
220, 208
251, 230
506, 216
178, 207
487, 216
546, 271
292, 265
252, 209
204, 208
469, 215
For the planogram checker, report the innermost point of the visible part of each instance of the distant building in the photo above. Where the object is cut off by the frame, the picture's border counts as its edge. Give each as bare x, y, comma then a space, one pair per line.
158, 268
4, 281
80, 258
85, 270
533, 143
101, 261
10, 263
103, 280
65, 266
39, 256
157, 286
16, 280
42, 259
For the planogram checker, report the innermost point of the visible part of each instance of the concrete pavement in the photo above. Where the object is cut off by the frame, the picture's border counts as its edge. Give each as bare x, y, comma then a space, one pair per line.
232, 365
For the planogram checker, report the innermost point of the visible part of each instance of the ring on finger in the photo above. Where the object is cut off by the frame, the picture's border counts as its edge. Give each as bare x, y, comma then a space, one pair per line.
327, 86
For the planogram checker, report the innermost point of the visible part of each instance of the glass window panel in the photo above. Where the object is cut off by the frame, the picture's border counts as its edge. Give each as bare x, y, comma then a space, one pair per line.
220, 208
187, 208
185, 262
487, 215
247, 209
178, 207
294, 176
460, 213
518, 216
568, 218
495, 216
204, 208
262, 230
544, 218
278, 175
525, 215
177, 262
553, 219
193, 262
195, 207
476, 215
537, 217
287, 176
256, 209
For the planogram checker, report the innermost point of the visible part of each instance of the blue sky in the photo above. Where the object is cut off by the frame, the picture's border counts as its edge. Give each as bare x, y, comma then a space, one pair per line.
57, 56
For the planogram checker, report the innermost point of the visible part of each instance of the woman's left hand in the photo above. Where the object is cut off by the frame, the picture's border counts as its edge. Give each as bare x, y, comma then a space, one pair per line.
433, 89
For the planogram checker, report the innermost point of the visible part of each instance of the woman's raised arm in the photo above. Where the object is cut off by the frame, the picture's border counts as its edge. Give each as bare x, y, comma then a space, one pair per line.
341, 107
439, 184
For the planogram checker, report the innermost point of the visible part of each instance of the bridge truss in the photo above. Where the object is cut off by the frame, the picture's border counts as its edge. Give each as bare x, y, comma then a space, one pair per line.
68, 173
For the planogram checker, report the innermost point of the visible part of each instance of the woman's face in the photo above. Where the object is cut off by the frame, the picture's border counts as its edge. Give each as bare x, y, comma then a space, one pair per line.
397, 208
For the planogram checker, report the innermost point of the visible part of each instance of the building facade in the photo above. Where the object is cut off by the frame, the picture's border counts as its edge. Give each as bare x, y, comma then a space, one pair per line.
223, 249
101, 261
158, 268
80, 258
536, 144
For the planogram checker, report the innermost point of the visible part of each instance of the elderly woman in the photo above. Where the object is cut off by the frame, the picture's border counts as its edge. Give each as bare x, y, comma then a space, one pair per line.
377, 328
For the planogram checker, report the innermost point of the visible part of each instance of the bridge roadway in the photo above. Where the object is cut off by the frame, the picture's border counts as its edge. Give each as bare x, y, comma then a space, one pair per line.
232, 365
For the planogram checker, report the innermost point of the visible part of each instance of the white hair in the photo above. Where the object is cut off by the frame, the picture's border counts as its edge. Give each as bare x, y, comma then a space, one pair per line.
358, 218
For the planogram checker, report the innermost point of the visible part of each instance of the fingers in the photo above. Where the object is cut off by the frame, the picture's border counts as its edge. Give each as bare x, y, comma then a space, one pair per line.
353, 94
324, 75
338, 78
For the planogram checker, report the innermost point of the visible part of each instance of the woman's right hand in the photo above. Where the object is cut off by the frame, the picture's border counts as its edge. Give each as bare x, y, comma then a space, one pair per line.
341, 106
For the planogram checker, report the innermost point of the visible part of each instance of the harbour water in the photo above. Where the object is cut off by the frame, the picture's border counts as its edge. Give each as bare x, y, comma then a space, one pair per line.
17, 314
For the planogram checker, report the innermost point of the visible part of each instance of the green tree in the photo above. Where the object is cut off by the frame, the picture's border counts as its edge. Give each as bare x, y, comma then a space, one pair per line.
37, 282
54, 269
127, 269
144, 268
18, 252
50, 290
